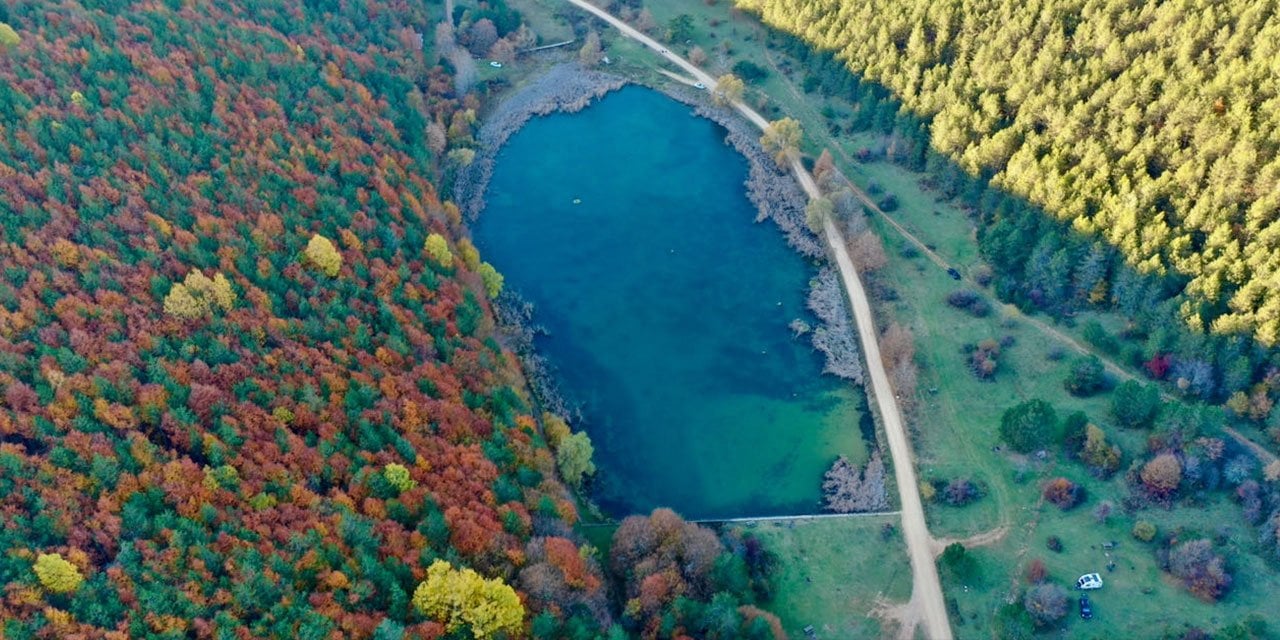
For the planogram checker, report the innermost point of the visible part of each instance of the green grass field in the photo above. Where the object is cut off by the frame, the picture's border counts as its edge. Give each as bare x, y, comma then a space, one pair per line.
832, 572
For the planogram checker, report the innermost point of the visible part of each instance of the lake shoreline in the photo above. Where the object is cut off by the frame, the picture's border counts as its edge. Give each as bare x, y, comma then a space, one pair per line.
666, 309
569, 87
564, 88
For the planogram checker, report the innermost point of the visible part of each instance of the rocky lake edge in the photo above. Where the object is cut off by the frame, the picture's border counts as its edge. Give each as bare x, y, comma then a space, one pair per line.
568, 87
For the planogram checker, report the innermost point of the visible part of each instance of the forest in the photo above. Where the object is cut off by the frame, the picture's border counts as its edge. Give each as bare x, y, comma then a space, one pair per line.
1151, 126
1043, 263
250, 382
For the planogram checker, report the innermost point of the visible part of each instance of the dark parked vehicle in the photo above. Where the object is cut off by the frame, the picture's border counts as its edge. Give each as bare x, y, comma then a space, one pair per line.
955, 275
1086, 609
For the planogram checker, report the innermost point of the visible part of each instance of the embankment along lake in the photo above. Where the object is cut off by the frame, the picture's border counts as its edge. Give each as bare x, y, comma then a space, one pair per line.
667, 306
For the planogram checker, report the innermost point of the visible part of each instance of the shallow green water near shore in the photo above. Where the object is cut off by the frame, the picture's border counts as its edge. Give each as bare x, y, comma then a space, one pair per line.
667, 307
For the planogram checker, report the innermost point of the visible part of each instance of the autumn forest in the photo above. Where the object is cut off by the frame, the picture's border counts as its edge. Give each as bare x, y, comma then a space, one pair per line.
250, 381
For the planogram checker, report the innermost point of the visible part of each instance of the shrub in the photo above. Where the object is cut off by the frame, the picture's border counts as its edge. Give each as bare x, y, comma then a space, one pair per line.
1162, 475
961, 298
1087, 377
1272, 471
817, 212
1201, 570
1144, 531
1045, 603
957, 561
1135, 405
1102, 512
1029, 426
555, 428
984, 359
1238, 469
1063, 493
927, 492
1097, 336
750, 72
1036, 572
1158, 366
960, 492
1074, 432
970, 302
848, 490
888, 203
1054, 544
1103, 458
982, 274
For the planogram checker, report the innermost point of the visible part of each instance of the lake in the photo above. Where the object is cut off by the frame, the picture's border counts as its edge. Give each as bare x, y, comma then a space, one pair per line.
628, 227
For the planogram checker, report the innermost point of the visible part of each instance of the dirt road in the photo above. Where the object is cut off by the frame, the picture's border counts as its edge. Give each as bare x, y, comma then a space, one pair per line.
927, 606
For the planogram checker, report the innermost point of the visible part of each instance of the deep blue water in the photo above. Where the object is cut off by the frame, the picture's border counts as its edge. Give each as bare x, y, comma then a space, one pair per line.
667, 307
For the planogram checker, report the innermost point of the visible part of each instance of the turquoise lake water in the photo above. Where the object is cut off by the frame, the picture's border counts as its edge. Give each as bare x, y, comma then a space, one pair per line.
667, 307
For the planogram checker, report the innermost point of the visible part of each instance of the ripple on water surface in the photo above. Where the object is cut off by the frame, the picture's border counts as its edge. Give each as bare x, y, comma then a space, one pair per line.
628, 227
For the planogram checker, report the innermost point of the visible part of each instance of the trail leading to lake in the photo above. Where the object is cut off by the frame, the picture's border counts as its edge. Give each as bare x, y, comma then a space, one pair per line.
927, 605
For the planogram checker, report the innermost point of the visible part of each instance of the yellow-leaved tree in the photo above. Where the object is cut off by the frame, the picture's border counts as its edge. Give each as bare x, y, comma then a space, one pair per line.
493, 280
817, 212
782, 139
323, 255
198, 296
397, 475
182, 304
729, 89
57, 574
556, 429
437, 249
8, 37
463, 597
573, 456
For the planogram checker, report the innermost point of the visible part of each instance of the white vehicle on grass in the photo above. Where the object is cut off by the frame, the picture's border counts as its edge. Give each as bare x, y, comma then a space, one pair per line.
1089, 581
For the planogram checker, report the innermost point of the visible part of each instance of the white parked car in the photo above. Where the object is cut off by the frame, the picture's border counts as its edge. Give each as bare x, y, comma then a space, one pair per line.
495, 64
699, 85
1089, 581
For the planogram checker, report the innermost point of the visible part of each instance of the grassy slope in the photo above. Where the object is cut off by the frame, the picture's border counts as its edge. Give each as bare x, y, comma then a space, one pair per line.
829, 568
957, 423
